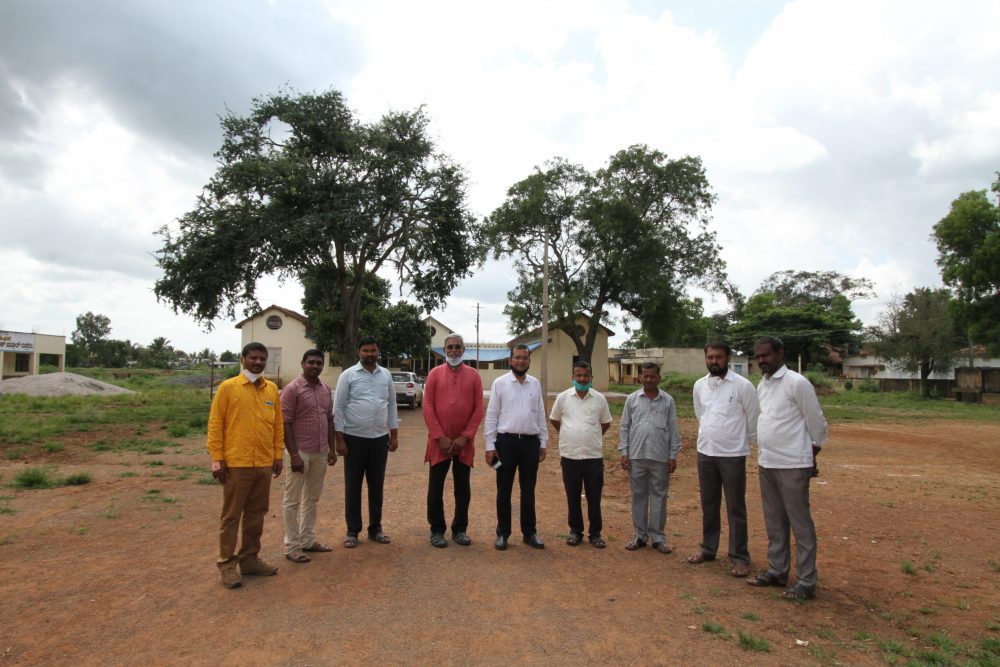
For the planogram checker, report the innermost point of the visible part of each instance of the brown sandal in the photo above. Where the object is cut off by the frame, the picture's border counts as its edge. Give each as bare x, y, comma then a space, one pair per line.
740, 570
573, 540
298, 557
663, 548
351, 541
699, 558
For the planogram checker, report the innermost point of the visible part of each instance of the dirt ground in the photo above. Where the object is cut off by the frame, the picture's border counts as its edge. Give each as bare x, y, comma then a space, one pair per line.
121, 571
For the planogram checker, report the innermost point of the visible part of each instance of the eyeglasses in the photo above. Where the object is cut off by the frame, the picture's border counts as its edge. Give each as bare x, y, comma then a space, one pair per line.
453, 347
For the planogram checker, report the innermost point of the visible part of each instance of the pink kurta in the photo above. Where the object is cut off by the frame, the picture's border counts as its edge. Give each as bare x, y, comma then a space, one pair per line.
453, 406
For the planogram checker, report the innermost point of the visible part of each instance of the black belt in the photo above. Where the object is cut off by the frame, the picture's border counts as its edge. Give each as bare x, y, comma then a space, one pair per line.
519, 436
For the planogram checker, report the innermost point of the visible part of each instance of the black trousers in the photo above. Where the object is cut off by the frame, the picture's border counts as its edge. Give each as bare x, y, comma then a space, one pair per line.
518, 456
585, 475
715, 474
435, 496
365, 460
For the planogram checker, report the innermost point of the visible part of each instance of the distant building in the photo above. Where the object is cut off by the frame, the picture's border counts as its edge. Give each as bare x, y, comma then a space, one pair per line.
624, 365
24, 354
562, 353
287, 336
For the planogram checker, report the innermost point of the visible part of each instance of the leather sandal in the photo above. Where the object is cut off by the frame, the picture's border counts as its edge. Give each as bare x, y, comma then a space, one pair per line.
573, 540
765, 579
635, 544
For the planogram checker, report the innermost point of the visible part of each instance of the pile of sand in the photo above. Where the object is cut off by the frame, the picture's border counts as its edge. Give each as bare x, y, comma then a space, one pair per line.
59, 384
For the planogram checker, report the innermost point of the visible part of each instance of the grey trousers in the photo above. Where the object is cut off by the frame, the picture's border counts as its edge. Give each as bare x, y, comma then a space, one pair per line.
784, 494
649, 481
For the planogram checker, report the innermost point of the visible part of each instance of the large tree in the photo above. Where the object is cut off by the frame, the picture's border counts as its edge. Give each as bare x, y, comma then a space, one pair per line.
968, 242
305, 190
917, 334
91, 333
634, 234
809, 310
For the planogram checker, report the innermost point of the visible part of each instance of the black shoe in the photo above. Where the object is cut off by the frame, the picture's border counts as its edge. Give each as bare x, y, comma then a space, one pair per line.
437, 540
501, 543
461, 538
533, 541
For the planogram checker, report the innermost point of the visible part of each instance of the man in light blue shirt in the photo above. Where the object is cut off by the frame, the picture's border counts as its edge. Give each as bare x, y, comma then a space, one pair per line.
366, 428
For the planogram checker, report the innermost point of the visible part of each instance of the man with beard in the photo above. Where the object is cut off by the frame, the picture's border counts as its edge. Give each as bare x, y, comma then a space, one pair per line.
726, 406
307, 410
367, 429
517, 435
790, 432
453, 409
649, 443
245, 440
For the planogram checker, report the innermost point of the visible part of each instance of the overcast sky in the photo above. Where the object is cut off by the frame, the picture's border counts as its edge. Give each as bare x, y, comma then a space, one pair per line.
834, 133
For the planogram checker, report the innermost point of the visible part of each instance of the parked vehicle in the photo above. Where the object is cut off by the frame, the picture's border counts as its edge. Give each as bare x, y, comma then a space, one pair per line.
409, 389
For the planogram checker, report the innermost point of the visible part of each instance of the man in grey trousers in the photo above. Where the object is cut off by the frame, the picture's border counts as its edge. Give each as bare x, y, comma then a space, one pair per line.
648, 445
790, 432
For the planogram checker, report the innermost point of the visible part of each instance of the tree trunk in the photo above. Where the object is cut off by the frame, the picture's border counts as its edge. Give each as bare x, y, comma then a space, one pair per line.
925, 372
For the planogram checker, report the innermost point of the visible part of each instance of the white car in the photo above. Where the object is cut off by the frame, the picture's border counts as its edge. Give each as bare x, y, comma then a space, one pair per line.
408, 389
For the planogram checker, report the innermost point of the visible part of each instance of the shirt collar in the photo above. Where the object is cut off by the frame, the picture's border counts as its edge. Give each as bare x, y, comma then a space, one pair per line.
778, 374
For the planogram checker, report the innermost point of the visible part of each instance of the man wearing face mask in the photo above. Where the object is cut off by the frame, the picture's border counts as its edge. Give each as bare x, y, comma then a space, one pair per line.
246, 442
581, 416
366, 428
453, 409
516, 434
726, 406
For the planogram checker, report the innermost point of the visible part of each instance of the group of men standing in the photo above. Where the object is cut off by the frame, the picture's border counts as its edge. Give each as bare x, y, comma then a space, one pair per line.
250, 429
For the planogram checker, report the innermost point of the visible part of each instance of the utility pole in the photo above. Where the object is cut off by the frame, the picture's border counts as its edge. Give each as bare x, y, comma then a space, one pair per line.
477, 336
545, 320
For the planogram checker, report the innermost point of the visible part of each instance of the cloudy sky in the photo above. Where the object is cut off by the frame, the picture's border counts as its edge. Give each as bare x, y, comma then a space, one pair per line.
834, 133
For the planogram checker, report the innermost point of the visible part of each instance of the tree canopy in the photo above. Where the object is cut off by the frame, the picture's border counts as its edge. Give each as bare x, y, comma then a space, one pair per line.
809, 310
305, 190
917, 334
634, 234
968, 242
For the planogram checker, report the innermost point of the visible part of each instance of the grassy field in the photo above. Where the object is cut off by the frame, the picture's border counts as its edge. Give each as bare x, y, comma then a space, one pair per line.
843, 406
167, 405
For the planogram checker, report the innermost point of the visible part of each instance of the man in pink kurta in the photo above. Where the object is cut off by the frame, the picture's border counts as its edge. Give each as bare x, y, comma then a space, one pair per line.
453, 409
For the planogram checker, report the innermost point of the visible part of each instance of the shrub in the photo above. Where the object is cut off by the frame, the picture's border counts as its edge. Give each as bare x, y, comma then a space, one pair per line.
34, 478
869, 385
848, 385
77, 479
818, 379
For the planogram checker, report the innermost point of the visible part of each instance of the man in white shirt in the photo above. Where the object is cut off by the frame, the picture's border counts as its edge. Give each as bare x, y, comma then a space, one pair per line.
726, 406
581, 416
516, 433
790, 432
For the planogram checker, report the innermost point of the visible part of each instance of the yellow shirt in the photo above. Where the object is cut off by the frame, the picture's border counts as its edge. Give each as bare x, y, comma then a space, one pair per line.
244, 424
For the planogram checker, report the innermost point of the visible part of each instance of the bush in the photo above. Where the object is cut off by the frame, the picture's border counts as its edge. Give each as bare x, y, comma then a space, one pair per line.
76, 479
848, 385
34, 478
818, 379
869, 385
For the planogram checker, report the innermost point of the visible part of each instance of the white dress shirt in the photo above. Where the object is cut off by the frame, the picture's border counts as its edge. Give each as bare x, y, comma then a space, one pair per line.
727, 411
580, 420
791, 421
364, 403
515, 407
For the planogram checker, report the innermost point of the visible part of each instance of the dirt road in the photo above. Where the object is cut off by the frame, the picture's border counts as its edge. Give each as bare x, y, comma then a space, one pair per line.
121, 571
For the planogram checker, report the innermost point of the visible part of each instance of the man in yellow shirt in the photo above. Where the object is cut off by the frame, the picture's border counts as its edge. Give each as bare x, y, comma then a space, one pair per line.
246, 442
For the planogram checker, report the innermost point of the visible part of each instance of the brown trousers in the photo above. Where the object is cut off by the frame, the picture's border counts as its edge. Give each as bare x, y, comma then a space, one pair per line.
245, 496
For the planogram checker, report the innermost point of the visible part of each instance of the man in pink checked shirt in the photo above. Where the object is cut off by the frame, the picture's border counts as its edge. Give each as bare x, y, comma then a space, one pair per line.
453, 410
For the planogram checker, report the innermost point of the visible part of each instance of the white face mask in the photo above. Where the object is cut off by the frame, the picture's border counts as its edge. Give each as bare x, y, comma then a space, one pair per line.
454, 361
253, 377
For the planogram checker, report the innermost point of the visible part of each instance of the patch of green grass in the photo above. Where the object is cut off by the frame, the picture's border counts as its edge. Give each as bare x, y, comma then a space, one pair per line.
6, 509
893, 647
206, 480
927, 610
907, 567
964, 605
926, 657
750, 616
993, 625
825, 633
864, 636
128, 473
154, 463
156, 496
748, 642
944, 642
177, 430
81, 530
682, 596
110, 512
823, 655
893, 406
76, 479
701, 611
995, 566
15, 454
53, 447
8, 539
102, 446
715, 629
928, 567
34, 478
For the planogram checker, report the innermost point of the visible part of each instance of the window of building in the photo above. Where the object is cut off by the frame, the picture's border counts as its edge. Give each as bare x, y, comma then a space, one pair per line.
22, 363
274, 322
